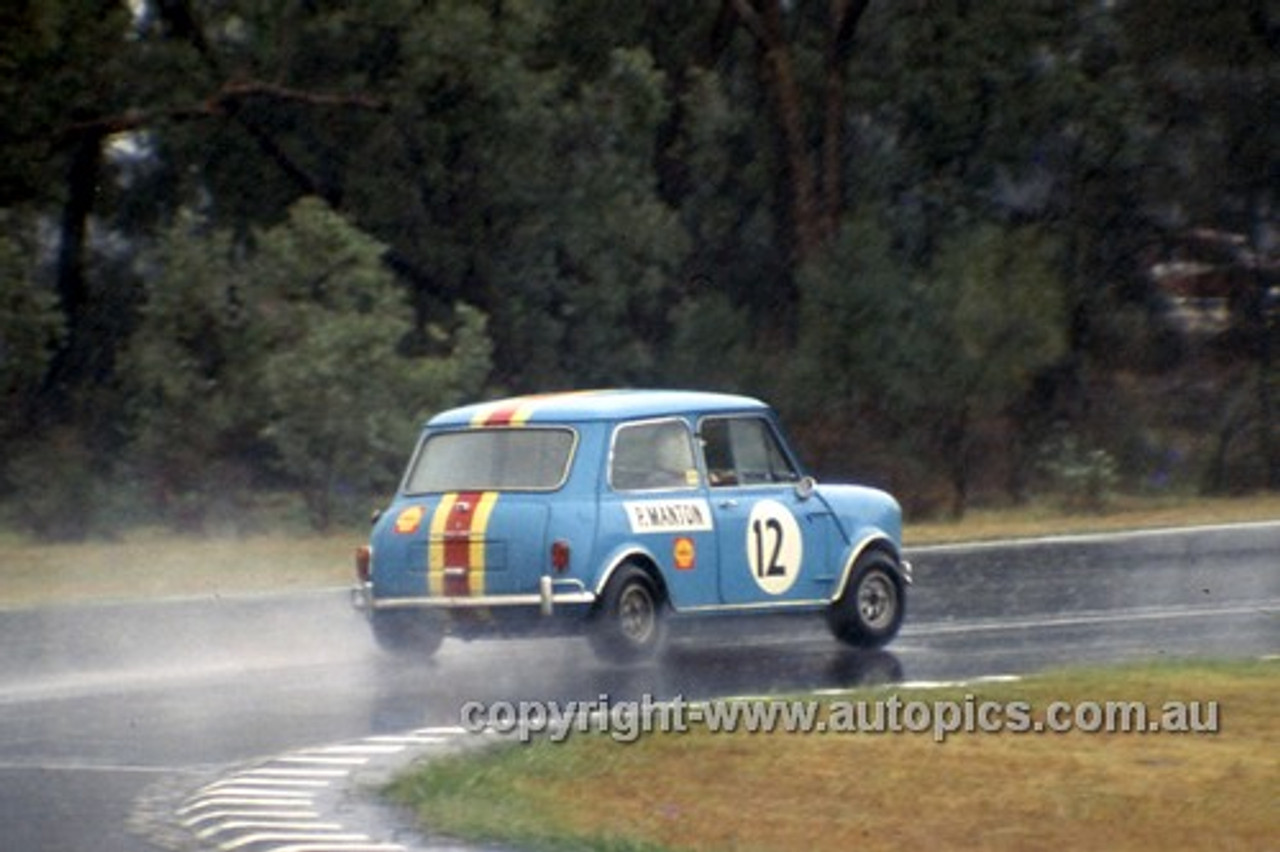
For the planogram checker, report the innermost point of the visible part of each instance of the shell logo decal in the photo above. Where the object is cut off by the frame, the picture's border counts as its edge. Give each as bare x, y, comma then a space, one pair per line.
409, 520
684, 554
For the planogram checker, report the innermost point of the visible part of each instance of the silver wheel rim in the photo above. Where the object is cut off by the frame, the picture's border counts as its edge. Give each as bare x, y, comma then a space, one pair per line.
877, 600
636, 614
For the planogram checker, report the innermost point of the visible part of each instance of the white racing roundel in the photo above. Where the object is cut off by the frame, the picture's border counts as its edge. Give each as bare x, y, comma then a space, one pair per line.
774, 547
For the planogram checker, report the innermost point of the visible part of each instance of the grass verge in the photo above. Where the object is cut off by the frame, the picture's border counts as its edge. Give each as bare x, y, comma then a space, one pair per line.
158, 564
820, 791
1124, 513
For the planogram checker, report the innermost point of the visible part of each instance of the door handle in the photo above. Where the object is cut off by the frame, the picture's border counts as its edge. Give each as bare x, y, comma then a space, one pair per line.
728, 504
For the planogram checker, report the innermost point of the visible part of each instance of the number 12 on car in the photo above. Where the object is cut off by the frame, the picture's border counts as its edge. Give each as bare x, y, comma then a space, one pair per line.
775, 548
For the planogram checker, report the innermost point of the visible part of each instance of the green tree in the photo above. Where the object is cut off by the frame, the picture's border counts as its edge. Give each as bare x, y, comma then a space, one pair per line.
30, 327
344, 403
46, 473
192, 374
999, 314
930, 354
590, 267
282, 363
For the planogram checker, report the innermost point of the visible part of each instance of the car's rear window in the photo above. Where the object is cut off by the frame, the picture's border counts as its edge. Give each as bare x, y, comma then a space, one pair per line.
500, 459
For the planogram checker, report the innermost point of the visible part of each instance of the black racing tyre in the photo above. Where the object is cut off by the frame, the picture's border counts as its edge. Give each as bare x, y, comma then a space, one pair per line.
627, 624
870, 611
408, 632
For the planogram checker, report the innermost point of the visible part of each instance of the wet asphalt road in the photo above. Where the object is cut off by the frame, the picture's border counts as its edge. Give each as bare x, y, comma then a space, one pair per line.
109, 713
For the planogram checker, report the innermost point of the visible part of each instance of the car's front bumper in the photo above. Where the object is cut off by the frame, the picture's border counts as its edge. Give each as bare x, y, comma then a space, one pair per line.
551, 594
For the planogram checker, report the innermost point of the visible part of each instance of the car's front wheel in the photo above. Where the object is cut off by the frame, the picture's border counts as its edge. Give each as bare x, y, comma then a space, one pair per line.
870, 611
627, 625
408, 632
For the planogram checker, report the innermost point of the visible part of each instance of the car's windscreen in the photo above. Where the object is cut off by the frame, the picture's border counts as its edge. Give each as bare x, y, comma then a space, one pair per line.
492, 460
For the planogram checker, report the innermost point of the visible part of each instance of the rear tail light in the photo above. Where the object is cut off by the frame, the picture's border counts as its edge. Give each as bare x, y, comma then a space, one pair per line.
560, 555
364, 560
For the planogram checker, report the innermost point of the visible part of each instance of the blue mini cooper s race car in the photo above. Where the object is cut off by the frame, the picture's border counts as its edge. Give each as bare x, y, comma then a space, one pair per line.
622, 513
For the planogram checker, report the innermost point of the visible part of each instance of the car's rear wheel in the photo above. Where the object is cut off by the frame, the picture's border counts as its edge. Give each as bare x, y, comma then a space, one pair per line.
870, 611
627, 624
408, 632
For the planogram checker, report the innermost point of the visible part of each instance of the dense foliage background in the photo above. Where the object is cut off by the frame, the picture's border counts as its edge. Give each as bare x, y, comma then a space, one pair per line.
975, 251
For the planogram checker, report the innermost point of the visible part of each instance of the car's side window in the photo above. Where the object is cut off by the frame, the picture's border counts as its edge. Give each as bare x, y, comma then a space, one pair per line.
744, 451
653, 455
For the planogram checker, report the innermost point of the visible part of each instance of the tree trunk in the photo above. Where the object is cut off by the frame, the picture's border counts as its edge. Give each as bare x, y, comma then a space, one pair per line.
72, 362
764, 19
845, 15
815, 195
955, 450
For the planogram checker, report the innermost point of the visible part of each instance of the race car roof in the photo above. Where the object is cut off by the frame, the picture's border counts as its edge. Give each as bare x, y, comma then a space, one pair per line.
577, 406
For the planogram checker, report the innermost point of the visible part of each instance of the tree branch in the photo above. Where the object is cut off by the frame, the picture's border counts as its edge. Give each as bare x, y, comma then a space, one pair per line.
257, 88
754, 23
224, 102
844, 17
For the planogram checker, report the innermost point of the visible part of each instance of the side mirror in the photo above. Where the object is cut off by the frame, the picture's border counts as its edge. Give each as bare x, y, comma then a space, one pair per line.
805, 487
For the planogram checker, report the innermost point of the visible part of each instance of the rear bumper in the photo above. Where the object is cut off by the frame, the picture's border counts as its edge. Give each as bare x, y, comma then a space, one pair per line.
551, 594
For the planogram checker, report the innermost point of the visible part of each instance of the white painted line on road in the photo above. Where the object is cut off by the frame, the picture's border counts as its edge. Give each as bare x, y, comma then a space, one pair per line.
283, 786
400, 740
280, 825
276, 772
72, 766
341, 847
1089, 538
272, 806
306, 812
291, 836
233, 801
1268, 607
370, 748
412, 740
425, 739
440, 731
240, 787
276, 786
323, 761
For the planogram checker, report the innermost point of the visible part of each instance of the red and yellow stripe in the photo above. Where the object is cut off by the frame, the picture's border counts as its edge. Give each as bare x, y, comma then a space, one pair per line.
517, 411
514, 412
456, 548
